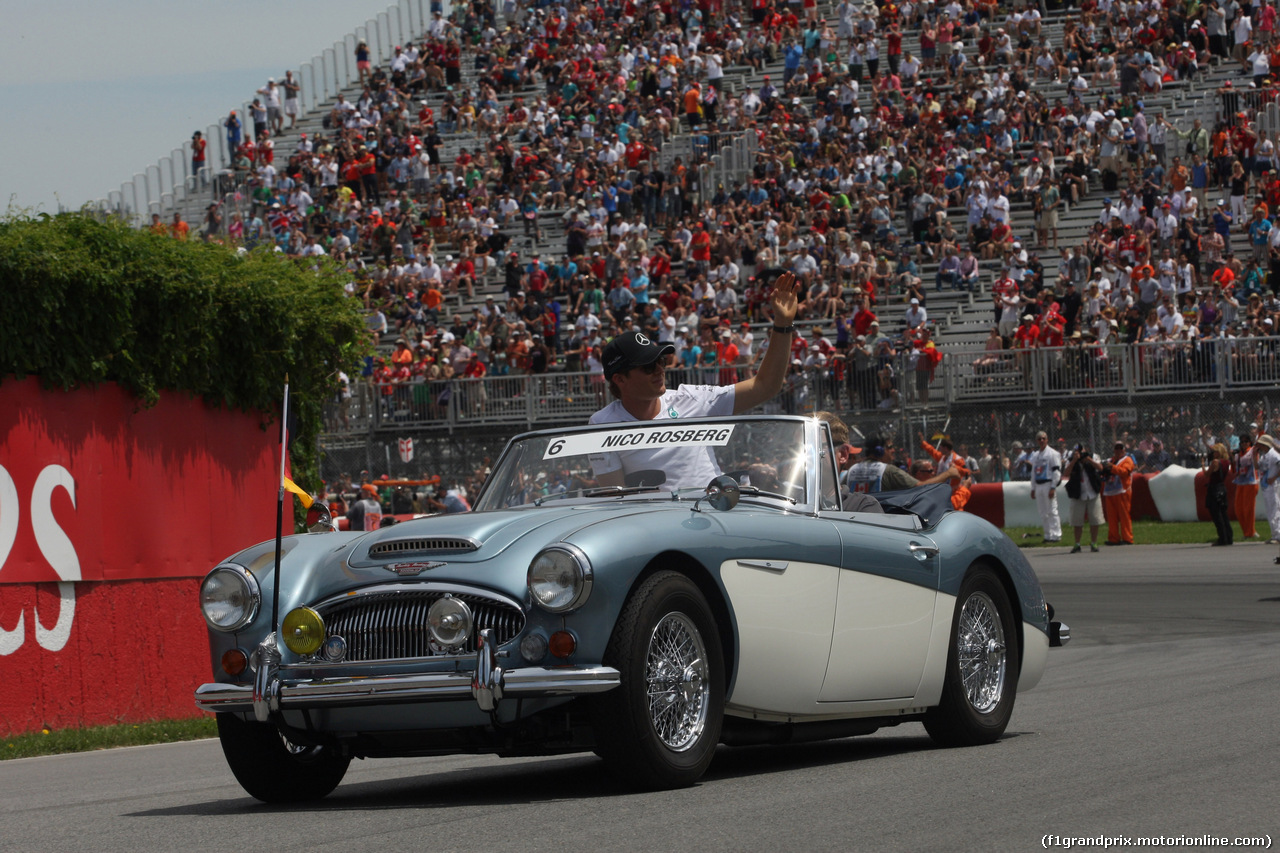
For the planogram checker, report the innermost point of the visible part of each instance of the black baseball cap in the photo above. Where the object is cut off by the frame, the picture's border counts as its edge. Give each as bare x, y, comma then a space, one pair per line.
632, 349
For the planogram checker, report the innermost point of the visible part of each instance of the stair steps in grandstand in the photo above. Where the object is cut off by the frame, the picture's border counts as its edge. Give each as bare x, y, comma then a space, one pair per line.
961, 319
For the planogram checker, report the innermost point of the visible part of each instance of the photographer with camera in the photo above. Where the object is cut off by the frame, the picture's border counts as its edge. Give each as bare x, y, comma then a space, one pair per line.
198, 147
1083, 476
1117, 495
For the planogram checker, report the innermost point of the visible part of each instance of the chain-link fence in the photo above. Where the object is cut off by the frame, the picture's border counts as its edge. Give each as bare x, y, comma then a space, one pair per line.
1181, 423
1166, 431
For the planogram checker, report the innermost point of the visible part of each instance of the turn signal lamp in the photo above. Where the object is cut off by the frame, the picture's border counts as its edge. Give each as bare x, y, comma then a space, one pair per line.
303, 631
234, 661
562, 644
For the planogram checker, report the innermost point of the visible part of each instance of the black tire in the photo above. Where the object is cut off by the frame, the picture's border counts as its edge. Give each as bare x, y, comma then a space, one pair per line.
272, 772
978, 711
666, 635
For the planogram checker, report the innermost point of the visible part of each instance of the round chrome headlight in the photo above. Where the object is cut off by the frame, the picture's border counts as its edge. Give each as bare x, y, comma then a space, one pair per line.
449, 621
229, 598
560, 578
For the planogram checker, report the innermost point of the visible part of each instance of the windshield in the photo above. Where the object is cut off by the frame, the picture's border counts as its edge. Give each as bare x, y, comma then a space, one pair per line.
607, 461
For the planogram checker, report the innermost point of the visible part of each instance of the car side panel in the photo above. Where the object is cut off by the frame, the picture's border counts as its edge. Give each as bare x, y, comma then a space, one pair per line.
1035, 656
884, 612
929, 693
881, 639
784, 632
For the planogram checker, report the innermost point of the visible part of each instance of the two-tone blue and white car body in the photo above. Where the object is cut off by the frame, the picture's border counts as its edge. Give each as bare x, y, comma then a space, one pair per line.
648, 622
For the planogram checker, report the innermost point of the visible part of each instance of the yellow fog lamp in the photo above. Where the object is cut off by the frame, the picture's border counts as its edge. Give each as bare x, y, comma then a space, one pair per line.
303, 631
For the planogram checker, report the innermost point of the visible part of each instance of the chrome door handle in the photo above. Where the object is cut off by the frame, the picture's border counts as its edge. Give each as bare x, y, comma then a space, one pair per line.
922, 551
767, 565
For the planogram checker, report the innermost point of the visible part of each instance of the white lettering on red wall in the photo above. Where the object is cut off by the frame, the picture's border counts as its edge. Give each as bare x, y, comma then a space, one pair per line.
55, 546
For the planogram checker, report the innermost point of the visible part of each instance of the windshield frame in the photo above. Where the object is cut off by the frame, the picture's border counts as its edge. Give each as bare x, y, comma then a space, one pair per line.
817, 452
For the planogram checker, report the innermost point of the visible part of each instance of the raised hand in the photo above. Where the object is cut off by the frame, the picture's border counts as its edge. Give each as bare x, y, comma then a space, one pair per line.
783, 299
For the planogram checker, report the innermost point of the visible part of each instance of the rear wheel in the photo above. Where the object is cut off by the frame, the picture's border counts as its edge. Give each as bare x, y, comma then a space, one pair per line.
660, 727
982, 665
274, 770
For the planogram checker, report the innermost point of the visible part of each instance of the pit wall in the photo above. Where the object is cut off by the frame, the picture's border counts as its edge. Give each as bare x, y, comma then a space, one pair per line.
109, 517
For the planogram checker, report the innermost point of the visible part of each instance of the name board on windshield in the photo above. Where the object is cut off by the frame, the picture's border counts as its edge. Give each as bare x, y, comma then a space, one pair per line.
644, 438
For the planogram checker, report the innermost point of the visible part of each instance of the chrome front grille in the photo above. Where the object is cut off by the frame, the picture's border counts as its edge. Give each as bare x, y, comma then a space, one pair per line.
393, 625
423, 545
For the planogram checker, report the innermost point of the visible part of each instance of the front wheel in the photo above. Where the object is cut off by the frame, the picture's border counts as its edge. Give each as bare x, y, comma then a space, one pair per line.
660, 727
273, 770
982, 666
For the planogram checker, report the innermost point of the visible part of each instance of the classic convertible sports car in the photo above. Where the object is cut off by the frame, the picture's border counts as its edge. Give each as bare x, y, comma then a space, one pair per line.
648, 622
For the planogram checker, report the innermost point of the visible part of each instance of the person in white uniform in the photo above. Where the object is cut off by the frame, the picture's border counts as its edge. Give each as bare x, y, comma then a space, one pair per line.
1046, 472
635, 370
1268, 469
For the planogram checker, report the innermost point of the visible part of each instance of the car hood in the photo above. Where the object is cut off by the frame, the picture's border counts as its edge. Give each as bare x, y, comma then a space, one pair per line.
481, 537
486, 549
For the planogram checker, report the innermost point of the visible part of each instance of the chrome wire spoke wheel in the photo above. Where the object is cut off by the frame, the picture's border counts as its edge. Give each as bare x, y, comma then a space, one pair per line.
678, 682
981, 652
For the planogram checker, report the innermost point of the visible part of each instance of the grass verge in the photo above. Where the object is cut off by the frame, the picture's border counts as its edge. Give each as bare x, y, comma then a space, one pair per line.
46, 742
1144, 533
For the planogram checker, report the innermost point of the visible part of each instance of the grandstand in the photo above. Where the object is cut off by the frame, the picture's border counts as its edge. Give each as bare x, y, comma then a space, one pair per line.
1044, 366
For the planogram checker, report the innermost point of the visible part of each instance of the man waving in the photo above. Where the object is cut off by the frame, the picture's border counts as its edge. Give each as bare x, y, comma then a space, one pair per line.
635, 369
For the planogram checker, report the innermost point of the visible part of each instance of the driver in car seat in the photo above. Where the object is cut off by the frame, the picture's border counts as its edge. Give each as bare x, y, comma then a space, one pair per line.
873, 474
635, 369
845, 456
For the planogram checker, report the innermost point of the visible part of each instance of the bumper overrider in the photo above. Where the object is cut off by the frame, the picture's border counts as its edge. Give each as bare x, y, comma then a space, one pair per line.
487, 684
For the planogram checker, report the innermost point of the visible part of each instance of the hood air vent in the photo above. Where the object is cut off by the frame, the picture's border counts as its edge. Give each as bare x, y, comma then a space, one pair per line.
423, 545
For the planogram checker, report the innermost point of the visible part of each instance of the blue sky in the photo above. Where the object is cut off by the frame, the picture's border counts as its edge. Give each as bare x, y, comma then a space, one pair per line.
95, 92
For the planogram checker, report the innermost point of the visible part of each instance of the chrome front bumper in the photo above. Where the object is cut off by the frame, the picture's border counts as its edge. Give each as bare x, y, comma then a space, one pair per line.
1059, 634
488, 684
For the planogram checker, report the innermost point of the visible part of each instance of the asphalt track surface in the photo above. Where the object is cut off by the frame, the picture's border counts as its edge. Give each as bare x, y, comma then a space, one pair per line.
1160, 718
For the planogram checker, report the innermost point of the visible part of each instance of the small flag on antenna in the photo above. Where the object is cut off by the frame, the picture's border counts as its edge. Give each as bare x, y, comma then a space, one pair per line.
306, 499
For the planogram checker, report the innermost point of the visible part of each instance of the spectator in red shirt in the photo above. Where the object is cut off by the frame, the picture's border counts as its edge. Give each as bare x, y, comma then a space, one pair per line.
198, 146
700, 249
727, 357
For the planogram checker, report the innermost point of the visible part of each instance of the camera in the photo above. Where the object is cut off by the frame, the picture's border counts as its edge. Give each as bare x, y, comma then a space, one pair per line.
770, 275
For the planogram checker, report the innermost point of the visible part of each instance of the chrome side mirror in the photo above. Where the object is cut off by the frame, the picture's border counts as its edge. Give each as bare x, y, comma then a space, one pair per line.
722, 493
319, 519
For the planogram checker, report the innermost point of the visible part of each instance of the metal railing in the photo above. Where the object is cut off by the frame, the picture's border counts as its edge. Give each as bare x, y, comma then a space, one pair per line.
1129, 370
171, 180
965, 376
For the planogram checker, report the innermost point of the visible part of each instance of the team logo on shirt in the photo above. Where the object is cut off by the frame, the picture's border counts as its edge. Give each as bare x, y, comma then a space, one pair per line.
672, 413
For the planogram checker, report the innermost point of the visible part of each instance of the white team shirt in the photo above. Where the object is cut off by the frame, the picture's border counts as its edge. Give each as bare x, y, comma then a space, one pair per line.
1046, 466
685, 467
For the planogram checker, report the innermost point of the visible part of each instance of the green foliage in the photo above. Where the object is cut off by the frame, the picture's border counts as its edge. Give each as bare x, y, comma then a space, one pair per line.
49, 742
1144, 533
85, 300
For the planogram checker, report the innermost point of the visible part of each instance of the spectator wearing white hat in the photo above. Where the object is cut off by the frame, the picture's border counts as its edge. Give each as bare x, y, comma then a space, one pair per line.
916, 316
1267, 464
271, 100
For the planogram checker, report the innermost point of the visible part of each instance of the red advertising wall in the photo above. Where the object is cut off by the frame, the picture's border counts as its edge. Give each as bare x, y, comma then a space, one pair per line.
109, 517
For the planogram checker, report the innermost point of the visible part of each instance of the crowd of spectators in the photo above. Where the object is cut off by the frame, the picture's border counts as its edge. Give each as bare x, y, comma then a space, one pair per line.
367, 500
862, 172
1151, 451
368, 503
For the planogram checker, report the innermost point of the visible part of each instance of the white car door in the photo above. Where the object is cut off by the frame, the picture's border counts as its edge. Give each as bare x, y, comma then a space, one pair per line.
885, 602
784, 610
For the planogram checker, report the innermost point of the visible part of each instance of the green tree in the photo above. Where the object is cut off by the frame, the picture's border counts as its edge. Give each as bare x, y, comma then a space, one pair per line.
85, 300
